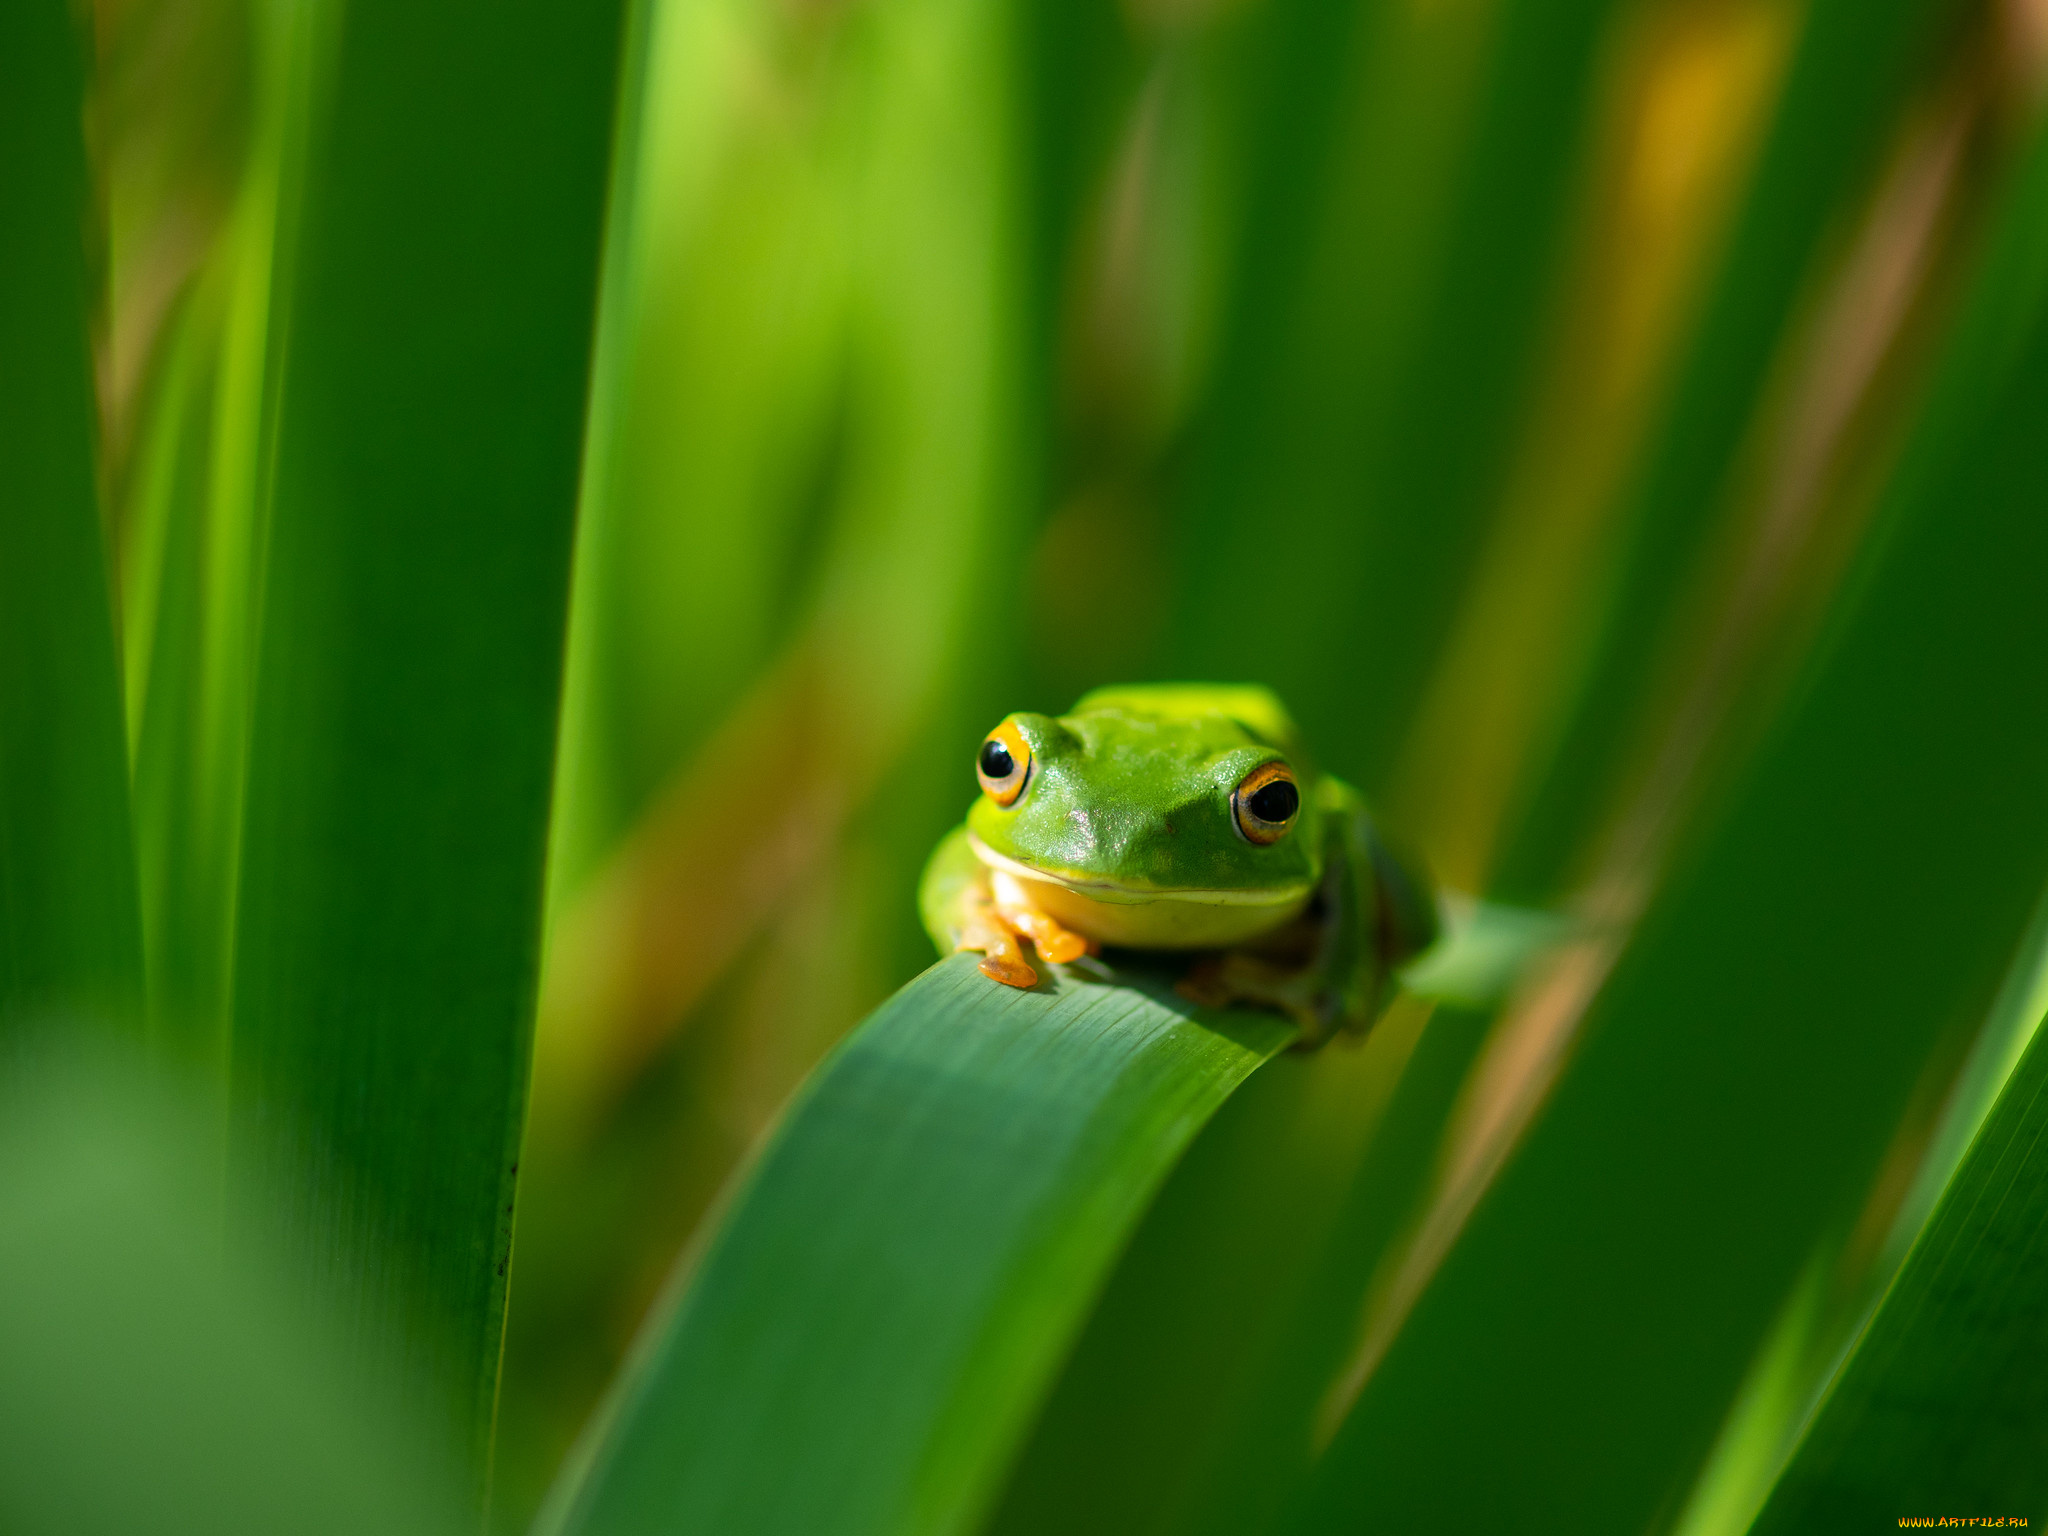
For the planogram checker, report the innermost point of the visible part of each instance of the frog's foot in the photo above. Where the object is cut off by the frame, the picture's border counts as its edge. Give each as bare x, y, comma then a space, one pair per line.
1301, 993
1002, 959
1052, 941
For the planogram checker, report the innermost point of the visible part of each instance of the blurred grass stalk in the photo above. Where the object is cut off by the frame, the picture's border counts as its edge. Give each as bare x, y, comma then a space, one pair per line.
195, 528
69, 931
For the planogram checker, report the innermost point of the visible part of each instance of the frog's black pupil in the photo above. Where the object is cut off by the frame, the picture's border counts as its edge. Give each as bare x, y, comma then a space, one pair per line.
1277, 801
996, 761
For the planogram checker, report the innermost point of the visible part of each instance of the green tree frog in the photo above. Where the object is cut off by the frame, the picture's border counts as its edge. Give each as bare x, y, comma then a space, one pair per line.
1180, 817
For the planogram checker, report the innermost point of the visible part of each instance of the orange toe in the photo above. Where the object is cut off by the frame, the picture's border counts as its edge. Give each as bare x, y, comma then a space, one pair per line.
1011, 973
1061, 946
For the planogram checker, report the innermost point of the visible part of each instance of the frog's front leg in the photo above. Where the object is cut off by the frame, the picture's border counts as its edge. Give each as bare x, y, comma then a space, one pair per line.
982, 928
1052, 941
961, 911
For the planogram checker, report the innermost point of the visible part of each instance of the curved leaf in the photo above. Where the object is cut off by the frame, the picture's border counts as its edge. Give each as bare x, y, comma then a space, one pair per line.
901, 1274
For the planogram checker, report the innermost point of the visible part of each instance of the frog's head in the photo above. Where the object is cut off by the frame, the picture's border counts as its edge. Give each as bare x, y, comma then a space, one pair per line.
1144, 798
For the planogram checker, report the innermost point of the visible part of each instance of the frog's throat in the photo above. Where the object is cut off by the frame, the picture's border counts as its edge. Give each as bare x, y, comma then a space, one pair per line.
1274, 898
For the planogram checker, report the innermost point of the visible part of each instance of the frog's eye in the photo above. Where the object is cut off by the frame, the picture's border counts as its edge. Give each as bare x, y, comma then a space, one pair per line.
1004, 764
1266, 803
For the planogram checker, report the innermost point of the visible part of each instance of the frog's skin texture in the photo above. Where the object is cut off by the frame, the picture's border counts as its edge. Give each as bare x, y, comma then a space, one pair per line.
1180, 817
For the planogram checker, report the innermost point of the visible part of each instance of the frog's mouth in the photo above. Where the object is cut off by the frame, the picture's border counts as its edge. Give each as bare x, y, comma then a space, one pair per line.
1098, 888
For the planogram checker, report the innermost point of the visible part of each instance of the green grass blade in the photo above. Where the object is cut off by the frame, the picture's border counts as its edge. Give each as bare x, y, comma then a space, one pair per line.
183, 792
69, 930
1940, 1409
1851, 1269
198, 521
1737, 1078
437, 326
885, 1303
1854, 64
1077, 68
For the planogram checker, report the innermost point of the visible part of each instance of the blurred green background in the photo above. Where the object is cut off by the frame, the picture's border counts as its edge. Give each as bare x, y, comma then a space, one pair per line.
1556, 401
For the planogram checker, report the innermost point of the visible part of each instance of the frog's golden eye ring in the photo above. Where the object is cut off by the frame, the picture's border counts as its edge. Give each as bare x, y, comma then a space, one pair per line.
1004, 764
1266, 803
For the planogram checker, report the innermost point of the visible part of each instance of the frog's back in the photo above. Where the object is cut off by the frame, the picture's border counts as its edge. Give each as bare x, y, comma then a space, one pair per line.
1257, 709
